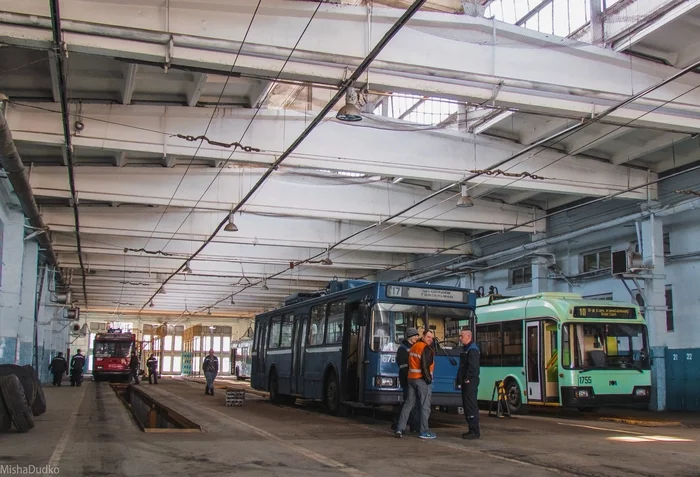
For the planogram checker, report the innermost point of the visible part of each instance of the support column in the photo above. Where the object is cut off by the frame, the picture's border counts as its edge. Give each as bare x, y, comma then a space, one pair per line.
597, 28
655, 306
540, 273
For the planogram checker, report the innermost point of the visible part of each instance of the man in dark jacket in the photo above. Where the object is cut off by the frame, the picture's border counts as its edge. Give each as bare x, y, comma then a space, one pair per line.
468, 378
210, 366
77, 363
58, 368
412, 336
134, 367
152, 365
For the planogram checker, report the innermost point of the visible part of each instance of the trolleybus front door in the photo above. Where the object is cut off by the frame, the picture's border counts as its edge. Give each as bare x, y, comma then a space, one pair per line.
533, 361
298, 353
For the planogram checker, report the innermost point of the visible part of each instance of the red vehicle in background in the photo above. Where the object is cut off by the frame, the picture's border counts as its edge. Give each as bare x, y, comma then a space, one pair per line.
110, 360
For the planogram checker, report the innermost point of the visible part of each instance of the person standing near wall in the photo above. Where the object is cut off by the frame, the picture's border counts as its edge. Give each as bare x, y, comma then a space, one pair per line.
134, 367
412, 336
210, 366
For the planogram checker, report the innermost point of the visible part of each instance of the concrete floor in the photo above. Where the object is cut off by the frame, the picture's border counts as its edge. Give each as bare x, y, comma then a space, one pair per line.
87, 432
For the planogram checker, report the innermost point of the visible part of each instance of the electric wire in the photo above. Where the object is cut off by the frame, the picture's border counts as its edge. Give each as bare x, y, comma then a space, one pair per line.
511, 228
319, 118
211, 119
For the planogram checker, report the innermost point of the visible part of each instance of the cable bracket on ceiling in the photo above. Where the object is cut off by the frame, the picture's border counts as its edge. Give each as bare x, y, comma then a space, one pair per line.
217, 143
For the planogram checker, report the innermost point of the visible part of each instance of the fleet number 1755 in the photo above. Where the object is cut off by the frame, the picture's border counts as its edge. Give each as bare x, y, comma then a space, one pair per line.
585, 380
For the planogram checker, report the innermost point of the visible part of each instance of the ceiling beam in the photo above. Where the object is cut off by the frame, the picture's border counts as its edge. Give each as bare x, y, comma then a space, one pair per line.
334, 145
576, 80
656, 144
194, 90
292, 195
258, 93
255, 230
127, 91
593, 137
53, 69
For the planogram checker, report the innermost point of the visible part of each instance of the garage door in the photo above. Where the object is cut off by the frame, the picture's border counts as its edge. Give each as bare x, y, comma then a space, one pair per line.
683, 379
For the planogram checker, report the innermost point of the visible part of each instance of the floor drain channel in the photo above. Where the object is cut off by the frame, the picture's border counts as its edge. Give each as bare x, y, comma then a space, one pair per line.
149, 414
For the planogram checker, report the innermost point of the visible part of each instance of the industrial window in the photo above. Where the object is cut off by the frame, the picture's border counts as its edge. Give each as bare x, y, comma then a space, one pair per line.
197, 340
336, 317
669, 309
520, 275
287, 321
596, 260
168, 343
666, 241
177, 364
166, 364
227, 343
317, 325
178, 343
275, 333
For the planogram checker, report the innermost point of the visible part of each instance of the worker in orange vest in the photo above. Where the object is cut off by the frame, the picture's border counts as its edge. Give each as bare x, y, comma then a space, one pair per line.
420, 378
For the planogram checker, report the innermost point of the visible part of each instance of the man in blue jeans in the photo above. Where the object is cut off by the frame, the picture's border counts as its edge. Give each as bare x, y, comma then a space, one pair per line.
210, 366
421, 366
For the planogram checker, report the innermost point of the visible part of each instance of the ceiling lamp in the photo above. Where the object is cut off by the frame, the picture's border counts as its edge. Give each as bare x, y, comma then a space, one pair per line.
187, 268
231, 227
465, 200
350, 112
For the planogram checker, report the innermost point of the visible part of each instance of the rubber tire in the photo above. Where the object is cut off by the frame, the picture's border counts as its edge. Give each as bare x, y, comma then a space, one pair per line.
275, 396
512, 388
331, 394
25, 378
39, 403
5, 419
16, 403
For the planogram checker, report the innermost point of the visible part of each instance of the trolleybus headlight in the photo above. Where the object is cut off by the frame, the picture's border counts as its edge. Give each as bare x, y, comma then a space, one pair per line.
382, 382
641, 392
582, 393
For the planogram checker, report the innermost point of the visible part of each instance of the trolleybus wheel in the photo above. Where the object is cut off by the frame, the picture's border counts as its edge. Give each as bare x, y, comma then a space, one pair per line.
515, 397
331, 394
274, 389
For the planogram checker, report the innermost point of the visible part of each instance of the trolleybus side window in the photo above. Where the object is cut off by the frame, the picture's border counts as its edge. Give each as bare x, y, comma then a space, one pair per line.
287, 321
489, 342
336, 317
513, 343
501, 344
317, 325
275, 333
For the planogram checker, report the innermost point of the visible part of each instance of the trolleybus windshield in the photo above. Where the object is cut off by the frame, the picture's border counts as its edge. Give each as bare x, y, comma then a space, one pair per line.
110, 349
605, 346
390, 321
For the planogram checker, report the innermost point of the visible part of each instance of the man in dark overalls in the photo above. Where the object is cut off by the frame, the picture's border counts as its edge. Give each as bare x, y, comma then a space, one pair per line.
468, 377
134, 367
152, 365
58, 368
412, 336
76, 369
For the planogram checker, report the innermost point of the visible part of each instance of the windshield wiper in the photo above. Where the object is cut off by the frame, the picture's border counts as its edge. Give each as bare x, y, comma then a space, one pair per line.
437, 345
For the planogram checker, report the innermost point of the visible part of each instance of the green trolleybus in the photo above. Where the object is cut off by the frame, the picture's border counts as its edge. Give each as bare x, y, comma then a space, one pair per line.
557, 349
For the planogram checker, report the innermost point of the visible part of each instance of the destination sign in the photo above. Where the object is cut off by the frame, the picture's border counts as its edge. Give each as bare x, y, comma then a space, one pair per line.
416, 293
604, 312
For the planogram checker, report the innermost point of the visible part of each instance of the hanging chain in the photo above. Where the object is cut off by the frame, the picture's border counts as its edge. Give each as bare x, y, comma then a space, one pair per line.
508, 174
217, 143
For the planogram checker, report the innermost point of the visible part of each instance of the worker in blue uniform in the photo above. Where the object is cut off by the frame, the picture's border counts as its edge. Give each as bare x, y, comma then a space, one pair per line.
468, 378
